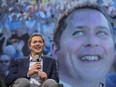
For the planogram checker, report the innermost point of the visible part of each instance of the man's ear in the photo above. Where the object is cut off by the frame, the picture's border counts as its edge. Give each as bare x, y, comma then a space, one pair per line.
54, 51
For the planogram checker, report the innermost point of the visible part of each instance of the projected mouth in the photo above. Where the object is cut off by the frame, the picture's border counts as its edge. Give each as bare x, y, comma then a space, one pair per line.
90, 58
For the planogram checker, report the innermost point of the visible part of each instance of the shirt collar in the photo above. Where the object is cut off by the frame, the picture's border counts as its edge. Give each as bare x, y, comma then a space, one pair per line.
33, 59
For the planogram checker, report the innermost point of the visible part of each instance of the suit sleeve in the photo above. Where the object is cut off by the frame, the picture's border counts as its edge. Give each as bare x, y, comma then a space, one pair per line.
15, 72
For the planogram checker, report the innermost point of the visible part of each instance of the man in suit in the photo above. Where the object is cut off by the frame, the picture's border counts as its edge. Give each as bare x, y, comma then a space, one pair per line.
34, 71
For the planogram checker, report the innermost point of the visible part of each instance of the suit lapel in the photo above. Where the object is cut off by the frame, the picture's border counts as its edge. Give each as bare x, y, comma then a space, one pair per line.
44, 64
27, 63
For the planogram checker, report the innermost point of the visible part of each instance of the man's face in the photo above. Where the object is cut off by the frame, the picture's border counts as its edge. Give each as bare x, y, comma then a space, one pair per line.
4, 63
36, 45
86, 46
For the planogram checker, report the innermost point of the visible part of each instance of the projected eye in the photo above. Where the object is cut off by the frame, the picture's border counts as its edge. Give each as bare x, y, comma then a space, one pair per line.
102, 33
79, 33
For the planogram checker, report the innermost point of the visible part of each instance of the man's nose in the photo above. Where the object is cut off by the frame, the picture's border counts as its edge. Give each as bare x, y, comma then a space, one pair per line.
91, 41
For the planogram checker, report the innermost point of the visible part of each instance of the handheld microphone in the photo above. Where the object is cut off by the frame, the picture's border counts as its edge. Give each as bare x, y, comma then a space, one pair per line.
37, 58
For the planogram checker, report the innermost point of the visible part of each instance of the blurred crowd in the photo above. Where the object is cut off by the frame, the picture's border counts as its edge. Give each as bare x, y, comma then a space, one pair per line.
21, 18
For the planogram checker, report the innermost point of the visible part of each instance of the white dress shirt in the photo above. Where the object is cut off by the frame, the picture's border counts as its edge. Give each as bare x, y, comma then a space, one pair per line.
34, 79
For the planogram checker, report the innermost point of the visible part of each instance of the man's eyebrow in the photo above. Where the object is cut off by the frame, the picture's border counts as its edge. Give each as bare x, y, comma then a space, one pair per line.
102, 27
98, 27
81, 26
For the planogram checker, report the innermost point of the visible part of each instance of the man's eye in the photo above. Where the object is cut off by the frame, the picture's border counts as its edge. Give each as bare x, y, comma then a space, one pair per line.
102, 33
40, 41
78, 33
34, 41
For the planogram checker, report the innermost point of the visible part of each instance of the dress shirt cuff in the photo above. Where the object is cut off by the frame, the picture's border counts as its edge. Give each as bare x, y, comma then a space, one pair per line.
28, 76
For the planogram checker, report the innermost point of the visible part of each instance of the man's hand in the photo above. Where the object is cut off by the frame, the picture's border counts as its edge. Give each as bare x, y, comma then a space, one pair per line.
34, 68
42, 75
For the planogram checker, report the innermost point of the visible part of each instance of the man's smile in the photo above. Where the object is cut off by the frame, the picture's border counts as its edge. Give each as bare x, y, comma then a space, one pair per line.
90, 58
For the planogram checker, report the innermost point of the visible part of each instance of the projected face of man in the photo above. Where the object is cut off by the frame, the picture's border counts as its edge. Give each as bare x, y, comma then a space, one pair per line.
86, 48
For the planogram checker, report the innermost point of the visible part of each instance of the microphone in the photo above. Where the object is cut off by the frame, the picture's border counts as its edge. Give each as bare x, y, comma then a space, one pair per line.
37, 58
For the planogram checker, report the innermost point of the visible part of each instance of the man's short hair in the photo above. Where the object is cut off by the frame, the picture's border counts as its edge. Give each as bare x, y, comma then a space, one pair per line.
35, 34
61, 23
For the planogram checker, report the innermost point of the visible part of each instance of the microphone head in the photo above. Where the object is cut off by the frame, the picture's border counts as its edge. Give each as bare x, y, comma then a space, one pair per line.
37, 58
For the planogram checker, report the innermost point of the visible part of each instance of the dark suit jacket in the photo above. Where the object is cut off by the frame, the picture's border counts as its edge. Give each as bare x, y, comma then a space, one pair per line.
19, 69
